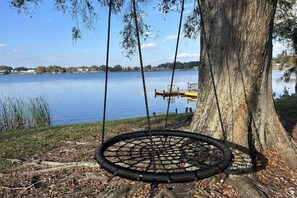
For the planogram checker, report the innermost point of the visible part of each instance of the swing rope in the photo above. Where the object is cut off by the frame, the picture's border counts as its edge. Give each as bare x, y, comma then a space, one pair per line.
106, 72
174, 63
141, 65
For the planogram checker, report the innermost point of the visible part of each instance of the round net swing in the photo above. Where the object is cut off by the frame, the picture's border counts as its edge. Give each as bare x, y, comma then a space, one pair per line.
160, 156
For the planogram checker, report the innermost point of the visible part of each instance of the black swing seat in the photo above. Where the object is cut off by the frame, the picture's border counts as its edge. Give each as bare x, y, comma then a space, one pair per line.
159, 156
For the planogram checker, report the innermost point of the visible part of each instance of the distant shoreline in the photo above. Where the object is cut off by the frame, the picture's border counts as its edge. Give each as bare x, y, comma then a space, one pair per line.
90, 72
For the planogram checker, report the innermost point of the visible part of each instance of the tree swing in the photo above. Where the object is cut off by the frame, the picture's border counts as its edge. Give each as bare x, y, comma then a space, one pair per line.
160, 156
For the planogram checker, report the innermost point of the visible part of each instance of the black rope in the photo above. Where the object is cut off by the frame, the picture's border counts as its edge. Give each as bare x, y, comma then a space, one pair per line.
141, 66
143, 83
106, 72
174, 63
211, 71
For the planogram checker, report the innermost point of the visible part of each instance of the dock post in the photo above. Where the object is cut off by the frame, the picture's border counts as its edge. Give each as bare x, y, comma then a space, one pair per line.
176, 111
191, 110
187, 109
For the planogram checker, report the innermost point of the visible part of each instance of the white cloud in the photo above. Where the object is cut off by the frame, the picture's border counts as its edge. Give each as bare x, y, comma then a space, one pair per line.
187, 55
16, 50
149, 45
171, 37
2, 45
278, 48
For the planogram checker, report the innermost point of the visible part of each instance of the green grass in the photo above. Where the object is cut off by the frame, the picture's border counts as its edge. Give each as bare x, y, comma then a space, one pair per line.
24, 143
287, 107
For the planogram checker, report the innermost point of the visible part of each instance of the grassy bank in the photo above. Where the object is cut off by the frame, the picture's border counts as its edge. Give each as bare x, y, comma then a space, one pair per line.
287, 107
22, 144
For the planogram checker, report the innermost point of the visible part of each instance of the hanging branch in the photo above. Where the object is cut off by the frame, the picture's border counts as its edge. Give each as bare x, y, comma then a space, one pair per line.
129, 40
192, 25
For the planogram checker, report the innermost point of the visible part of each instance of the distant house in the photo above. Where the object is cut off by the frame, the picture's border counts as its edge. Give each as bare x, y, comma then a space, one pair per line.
82, 70
29, 71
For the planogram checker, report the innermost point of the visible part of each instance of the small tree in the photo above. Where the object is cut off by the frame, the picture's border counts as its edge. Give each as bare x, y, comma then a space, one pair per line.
285, 30
40, 70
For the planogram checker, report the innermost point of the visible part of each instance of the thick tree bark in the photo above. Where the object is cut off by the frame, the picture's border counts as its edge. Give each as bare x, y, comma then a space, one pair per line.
239, 34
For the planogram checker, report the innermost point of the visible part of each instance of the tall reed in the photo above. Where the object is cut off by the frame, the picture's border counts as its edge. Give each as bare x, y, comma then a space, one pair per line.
40, 112
16, 113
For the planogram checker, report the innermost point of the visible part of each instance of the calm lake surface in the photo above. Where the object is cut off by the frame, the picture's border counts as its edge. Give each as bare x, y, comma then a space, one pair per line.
78, 98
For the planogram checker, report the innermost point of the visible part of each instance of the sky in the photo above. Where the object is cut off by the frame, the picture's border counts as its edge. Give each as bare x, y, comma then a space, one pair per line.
44, 38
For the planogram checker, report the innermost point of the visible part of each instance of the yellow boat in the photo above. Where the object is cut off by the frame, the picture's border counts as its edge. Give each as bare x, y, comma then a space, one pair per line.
191, 94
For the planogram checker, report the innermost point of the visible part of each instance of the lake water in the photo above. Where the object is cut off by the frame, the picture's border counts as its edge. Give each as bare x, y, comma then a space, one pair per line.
78, 98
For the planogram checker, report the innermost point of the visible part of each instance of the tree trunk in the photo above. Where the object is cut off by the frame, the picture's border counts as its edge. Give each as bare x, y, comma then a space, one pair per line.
239, 42
239, 36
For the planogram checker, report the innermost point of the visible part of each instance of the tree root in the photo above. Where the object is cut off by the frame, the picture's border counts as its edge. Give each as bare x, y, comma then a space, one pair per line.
20, 188
247, 186
80, 143
59, 166
50, 163
165, 193
123, 192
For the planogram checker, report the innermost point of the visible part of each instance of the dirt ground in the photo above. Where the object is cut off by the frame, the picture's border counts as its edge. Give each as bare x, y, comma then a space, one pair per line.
70, 170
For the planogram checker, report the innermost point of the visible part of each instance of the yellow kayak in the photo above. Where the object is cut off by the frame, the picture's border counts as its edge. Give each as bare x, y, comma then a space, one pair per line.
191, 94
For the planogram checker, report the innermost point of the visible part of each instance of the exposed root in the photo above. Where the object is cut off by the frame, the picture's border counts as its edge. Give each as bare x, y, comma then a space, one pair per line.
247, 186
165, 193
59, 166
19, 188
123, 192
80, 143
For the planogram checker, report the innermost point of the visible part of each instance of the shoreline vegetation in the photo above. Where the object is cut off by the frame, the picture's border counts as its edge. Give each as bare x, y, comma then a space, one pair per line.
18, 113
55, 69
277, 64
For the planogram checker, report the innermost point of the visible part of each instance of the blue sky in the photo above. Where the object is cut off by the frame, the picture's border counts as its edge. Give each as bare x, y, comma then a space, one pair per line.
46, 39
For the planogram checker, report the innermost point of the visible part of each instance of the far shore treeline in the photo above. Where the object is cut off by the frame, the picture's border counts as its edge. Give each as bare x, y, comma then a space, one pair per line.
94, 68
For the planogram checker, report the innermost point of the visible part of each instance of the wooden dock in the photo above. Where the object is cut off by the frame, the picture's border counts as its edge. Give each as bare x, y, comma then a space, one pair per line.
166, 93
191, 87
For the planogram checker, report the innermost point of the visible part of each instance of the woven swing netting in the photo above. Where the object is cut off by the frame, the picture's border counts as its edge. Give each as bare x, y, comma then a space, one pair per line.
172, 156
